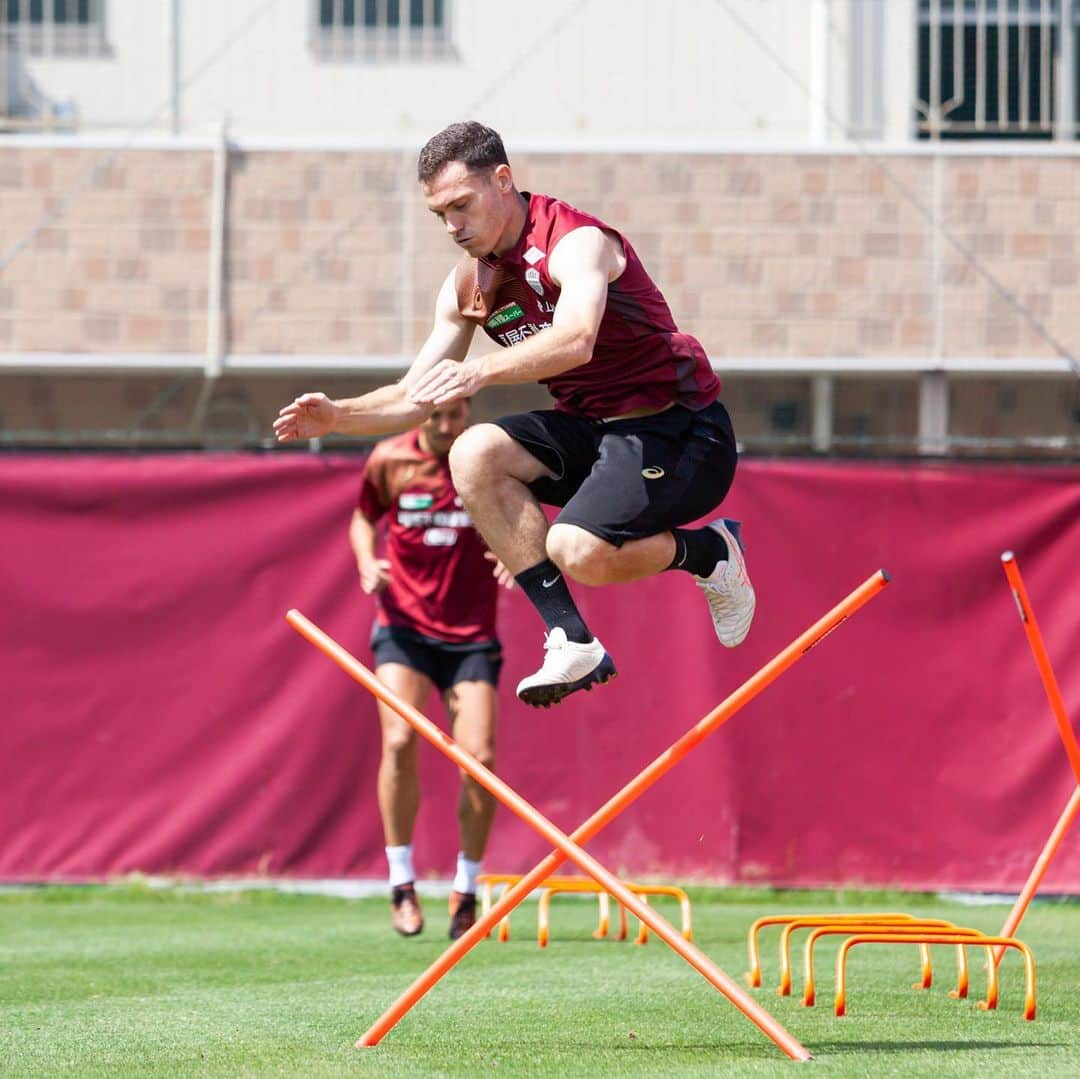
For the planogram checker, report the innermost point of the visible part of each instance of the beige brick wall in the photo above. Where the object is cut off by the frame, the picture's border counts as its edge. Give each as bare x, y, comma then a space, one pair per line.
120, 265
758, 255
333, 252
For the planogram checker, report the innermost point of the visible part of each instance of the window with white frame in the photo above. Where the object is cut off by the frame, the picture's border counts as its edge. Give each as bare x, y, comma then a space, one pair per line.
381, 30
53, 27
996, 69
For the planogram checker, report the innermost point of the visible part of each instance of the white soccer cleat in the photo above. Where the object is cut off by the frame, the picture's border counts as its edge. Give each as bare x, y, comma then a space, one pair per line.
728, 588
568, 667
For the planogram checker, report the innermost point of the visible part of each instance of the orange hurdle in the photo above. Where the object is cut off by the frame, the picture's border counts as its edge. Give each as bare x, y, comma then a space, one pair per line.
645, 890
488, 881
912, 932
554, 886
853, 922
567, 847
950, 937
753, 975
585, 886
1068, 738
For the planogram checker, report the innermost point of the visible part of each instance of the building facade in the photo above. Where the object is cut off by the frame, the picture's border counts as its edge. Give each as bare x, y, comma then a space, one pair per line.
206, 208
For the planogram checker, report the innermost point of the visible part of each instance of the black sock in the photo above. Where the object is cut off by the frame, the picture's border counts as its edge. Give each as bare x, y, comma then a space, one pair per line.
697, 550
545, 587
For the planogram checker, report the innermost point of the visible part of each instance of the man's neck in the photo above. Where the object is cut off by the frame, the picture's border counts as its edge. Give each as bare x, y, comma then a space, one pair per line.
425, 446
515, 226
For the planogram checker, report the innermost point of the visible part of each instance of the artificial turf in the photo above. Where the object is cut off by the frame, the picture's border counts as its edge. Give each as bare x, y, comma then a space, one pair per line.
130, 980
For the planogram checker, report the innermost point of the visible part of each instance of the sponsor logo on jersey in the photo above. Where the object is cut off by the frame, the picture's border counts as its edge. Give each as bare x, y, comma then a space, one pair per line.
652, 472
516, 334
438, 519
506, 313
440, 537
533, 255
413, 500
532, 279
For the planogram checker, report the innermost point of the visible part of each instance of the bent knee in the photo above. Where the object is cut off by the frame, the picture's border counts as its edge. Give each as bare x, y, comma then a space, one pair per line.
580, 555
485, 453
475, 451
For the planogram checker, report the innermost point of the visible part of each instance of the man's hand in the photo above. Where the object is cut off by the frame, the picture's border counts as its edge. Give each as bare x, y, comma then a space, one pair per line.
311, 415
500, 572
374, 575
447, 381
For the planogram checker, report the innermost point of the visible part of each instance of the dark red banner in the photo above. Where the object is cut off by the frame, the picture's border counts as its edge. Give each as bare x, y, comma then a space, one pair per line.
160, 716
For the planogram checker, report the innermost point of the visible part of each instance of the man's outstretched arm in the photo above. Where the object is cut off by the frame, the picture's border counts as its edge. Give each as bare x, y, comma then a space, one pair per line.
582, 264
388, 409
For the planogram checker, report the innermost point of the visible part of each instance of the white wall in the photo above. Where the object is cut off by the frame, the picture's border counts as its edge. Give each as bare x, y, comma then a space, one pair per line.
565, 71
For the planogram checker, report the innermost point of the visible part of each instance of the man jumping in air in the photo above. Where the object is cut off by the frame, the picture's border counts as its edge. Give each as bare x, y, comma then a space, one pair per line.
638, 445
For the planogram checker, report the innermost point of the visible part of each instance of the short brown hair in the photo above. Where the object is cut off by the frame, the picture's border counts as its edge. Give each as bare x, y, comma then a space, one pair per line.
471, 143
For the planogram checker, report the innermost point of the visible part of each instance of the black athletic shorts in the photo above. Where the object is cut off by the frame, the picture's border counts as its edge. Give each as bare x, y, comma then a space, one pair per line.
627, 479
444, 663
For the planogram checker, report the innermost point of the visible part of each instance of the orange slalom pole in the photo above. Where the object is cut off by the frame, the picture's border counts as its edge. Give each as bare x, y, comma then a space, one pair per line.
1072, 748
628, 794
724, 711
1042, 660
1042, 863
569, 849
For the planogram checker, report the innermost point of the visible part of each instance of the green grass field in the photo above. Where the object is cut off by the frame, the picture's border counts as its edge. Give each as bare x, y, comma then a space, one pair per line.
127, 980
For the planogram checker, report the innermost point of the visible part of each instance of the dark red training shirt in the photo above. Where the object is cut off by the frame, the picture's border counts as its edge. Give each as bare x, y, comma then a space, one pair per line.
640, 360
441, 585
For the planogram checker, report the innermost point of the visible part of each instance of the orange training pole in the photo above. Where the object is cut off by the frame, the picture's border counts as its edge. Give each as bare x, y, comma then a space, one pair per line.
1057, 705
724, 711
528, 813
1042, 863
1042, 660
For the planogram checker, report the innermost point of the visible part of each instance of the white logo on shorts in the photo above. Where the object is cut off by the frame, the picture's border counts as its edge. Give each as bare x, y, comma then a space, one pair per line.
653, 473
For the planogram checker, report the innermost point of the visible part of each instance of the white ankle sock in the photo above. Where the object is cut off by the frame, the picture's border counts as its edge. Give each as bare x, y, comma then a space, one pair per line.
465, 878
401, 867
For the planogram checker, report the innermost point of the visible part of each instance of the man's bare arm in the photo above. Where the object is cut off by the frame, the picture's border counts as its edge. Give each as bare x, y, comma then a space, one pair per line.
388, 409
583, 263
374, 571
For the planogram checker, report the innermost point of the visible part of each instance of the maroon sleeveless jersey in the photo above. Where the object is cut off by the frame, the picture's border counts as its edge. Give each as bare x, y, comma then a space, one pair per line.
640, 359
441, 585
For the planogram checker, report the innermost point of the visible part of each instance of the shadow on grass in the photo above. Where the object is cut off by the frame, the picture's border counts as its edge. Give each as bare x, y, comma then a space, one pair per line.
819, 1048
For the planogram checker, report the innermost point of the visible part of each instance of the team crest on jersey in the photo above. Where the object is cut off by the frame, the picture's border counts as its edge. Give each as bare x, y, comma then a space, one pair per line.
532, 278
415, 501
506, 313
533, 255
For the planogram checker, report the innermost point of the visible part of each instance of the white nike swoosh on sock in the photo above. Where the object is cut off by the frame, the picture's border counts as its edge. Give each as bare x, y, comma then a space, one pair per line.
548, 584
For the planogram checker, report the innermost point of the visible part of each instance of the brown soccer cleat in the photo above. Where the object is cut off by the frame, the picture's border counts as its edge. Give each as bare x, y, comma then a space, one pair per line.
462, 913
405, 913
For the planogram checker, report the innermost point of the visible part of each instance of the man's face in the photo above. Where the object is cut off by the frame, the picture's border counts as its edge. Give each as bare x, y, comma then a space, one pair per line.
438, 431
474, 205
